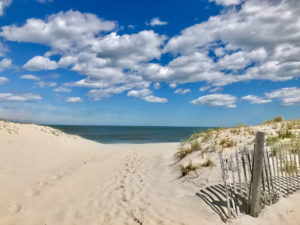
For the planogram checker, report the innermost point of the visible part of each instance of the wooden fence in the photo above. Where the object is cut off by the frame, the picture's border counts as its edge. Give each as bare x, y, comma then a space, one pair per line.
255, 178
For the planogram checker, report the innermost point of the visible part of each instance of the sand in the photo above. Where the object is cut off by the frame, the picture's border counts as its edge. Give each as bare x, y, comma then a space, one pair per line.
51, 178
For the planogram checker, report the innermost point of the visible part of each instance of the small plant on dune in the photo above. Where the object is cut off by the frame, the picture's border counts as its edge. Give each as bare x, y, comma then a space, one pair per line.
208, 135
240, 125
207, 163
271, 140
274, 151
235, 130
293, 124
185, 170
277, 119
295, 145
249, 131
195, 146
227, 143
289, 167
195, 136
282, 134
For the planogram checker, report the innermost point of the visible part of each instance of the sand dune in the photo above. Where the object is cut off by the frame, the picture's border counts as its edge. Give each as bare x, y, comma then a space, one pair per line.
48, 177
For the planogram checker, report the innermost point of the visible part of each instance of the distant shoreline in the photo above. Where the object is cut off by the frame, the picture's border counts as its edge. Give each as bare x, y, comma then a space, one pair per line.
130, 134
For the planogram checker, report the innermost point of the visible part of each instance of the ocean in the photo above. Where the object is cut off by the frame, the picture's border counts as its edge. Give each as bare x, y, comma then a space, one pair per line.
131, 134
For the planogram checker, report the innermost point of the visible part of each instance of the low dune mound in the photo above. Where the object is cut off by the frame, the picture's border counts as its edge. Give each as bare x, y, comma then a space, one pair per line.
200, 152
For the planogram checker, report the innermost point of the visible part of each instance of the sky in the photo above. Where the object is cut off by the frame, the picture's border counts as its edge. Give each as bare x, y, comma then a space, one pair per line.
167, 63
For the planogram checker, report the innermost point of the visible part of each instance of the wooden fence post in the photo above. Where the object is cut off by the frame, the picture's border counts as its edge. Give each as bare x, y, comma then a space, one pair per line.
257, 169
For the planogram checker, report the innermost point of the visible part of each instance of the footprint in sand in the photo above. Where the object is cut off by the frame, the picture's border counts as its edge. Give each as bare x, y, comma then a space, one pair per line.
14, 208
43, 183
31, 192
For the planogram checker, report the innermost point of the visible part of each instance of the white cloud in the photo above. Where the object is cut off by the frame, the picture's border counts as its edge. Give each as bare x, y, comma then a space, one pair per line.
40, 63
74, 100
146, 95
44, 84
3, 5
156, 85
19, 98
216, 100
155, 99
44, 1
156, 22
29, 77
62, 89
215, 89
204, 88
3, 80
227, 2
188, 68
258, 41
173, 85
61, 31
5, 63
288, 96
256, 100
182, 91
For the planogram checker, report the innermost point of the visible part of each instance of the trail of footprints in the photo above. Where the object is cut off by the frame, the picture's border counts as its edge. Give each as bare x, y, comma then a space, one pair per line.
122, 199
127, 196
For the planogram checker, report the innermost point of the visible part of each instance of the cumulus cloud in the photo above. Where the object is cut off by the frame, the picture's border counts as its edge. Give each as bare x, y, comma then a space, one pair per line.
40, 63
74, 100
182, 91
44, 84
216, 100
204, 88
156, 22
258, 41
62, 89
44, 1
256, 100
288, 96
3, 5
156, 85
29, 77
4, 97
3, 80
146, 95
227, 2
62, 31
5, 63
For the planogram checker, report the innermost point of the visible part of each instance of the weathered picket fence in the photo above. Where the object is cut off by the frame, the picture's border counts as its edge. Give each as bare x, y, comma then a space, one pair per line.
255, 178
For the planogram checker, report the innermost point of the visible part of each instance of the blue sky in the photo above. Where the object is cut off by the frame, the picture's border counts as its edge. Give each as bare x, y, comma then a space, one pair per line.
177, 63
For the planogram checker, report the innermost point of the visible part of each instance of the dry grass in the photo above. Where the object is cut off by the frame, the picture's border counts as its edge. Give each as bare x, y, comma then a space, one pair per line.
277, 119
185, 170
289, 167
227, 143
184, 151
285, 133
208, 135
207, 163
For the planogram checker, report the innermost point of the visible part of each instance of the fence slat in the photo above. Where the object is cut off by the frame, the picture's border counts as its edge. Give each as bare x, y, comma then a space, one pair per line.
225, 185
239, 172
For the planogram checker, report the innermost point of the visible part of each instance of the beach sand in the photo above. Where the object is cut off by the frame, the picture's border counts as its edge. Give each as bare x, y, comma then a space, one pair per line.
51, 178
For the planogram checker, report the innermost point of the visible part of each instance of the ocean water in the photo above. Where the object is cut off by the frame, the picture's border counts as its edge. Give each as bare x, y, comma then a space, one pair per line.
131, 134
